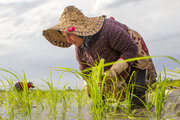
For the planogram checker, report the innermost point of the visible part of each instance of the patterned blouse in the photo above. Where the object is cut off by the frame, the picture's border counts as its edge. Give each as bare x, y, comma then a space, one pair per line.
111, 43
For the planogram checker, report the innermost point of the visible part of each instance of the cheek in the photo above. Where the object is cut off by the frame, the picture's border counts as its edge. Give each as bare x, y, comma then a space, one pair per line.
72, 38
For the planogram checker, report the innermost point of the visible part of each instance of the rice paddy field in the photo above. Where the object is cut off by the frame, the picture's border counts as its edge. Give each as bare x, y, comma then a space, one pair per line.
53, 103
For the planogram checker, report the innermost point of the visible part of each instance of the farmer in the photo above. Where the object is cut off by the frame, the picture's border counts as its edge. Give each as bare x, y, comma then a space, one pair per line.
98, 37
21, 85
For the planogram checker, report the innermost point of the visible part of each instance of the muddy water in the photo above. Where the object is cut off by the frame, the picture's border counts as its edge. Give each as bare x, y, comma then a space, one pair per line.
72, 113
39, 112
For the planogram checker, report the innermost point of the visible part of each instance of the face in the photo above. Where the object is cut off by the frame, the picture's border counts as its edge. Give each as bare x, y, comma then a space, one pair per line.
72, 38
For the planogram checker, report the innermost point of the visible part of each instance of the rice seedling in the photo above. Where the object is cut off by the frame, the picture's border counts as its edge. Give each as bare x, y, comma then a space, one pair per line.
96, 88
96, 92
9, 103
65, 101
38, 100
79, 97
159, 97
65, 97
53, 95
21, 99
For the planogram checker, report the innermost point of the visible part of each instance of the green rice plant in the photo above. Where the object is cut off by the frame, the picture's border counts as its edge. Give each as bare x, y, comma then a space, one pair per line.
96, 93
160, 95
126, 107
129, 90
170, 84
22, 99
79, 97
176, 78
38, 98
96, 87
9, 101
65, 97
53, 95
65, 100
157, 95
150, 96
173, 83
176, 73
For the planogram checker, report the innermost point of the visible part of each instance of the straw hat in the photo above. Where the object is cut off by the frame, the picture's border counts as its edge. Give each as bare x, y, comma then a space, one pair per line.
72, 20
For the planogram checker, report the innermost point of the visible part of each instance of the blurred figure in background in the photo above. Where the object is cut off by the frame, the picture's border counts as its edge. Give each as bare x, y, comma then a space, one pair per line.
20, 86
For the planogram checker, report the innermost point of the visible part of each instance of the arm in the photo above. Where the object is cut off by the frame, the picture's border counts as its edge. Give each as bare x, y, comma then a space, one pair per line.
121, 42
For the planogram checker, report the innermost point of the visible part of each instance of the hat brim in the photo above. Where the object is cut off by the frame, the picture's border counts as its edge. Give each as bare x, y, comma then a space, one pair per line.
55, 37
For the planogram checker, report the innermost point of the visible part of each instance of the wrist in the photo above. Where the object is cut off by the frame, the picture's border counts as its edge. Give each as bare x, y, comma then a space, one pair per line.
119, 66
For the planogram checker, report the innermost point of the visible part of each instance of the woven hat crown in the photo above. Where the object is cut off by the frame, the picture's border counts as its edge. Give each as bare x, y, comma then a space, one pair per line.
71, 17
71, 13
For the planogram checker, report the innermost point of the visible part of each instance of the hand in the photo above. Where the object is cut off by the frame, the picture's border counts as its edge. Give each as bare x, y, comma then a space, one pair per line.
141, 64
119, 66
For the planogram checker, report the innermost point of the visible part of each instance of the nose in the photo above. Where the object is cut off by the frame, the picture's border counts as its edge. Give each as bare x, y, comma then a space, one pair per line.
68, 40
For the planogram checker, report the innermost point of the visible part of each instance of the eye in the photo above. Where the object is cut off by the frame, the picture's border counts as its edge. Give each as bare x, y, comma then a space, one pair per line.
60, 32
